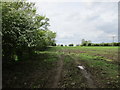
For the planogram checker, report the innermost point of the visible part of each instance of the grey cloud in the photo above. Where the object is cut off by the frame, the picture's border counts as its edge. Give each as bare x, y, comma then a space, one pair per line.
74, 21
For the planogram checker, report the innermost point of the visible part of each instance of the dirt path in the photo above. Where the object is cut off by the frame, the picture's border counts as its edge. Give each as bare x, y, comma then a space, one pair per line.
86, 74
58, 73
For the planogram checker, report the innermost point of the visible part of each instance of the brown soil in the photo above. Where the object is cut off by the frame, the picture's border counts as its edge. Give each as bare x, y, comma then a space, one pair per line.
86, 74
58, 73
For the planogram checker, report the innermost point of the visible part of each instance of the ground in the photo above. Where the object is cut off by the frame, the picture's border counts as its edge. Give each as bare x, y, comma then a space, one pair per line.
57, 67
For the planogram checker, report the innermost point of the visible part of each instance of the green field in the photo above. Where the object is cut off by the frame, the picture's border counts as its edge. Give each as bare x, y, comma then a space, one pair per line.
37, 45
56, 67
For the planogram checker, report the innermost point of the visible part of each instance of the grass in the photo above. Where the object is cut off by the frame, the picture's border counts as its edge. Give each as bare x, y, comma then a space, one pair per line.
103, 68
29, 73
108, 53
40, 69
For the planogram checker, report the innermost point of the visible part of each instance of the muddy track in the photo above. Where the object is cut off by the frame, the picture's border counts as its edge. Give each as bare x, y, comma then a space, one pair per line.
58, 73
86, 74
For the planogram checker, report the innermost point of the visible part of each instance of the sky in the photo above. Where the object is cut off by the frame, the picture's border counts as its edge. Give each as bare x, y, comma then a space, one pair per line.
77, 20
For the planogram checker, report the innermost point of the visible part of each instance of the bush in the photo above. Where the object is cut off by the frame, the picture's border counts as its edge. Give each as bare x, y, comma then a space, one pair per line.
61, 45
71, 45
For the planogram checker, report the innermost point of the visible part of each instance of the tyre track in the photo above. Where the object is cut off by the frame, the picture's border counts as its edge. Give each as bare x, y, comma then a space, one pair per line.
87, 75
58, 73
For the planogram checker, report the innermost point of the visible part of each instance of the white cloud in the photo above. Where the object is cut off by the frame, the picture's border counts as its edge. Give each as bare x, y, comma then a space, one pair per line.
70, 0
73, 21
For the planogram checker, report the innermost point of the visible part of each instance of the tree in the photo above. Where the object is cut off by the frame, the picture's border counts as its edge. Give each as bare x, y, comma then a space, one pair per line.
85, 43
66, 45
61, 45
23, 29
71, 45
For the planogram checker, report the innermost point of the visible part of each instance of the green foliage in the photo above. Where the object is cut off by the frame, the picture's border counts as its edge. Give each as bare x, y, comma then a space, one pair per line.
88, 43
61, 45
85, 43
71, 44
106, 44
23, 29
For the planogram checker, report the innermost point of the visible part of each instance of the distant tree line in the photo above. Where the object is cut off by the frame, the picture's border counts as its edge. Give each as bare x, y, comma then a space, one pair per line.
105, 44
85, 43
23, 30
89, 43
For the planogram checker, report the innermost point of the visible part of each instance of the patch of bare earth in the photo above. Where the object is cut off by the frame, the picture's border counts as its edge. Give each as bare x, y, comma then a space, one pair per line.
86, 74
93, 75
55, 74
73, 51
58, 73
71, 76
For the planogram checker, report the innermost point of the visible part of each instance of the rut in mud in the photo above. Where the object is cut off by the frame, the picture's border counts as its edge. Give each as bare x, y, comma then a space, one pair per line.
86, 74
58, 73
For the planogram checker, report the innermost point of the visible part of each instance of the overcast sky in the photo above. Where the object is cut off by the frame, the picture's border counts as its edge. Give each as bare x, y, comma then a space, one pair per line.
73, 21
